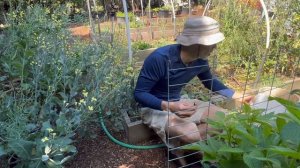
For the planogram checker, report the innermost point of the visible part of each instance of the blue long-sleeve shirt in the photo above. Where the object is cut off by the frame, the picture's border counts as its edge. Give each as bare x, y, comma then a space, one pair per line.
152, 84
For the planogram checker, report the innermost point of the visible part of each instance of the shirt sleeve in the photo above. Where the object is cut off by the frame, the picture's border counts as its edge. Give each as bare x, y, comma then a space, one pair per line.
151, 72
212, 83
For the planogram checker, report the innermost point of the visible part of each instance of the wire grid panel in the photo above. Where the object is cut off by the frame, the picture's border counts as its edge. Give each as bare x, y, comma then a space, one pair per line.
192, 129
260, 101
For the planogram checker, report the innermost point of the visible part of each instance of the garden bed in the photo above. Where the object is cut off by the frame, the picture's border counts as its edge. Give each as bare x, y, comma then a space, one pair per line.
135, 130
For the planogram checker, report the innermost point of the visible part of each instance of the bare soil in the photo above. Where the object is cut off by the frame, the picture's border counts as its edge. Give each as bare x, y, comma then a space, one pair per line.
100, 152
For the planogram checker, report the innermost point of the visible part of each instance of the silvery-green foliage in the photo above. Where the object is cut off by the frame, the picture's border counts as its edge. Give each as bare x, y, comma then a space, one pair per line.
52, 86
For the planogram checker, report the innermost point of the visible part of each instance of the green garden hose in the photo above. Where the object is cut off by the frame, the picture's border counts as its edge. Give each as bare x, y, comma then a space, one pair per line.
125, 144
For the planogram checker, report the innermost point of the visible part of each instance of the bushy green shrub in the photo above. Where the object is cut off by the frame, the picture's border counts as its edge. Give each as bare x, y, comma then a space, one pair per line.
243, 51
285, 37
122, 14
141, 45
52, 85
244, 43
254, 139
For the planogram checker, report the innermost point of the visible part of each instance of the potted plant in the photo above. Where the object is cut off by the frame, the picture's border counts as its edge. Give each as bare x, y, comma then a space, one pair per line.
121, 17
164, 11
150, 13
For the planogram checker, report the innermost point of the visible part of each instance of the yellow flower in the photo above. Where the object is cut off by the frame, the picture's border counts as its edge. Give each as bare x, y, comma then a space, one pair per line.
85, 93
45, 139
91, 108
81, 101
94, 99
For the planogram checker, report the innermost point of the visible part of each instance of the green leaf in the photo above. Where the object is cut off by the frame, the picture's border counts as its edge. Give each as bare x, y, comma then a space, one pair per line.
280, 122
53, 164
21, 148
272, 140
288, 117
36, 164
215, 124
65, 159
240, 130
252, 161
69, 148
291, 132
214, 144
195, 147
2, 151
231, 150
47, 127
30, 127
285, 152
246, 108
233, 164
290, 106
201, 146
63, 141
3, 78
257, 158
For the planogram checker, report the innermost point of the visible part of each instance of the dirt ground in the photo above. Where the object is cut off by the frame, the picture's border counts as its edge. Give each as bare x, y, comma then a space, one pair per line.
100, 152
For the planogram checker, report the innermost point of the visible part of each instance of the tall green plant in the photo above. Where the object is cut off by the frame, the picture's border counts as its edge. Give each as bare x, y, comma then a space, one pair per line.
285, 32
244, 47
51, 87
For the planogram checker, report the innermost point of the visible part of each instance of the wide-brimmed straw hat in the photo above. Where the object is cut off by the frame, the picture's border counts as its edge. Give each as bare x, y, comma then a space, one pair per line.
200, 30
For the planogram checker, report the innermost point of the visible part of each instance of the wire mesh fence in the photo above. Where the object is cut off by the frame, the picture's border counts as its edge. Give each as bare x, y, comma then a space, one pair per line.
241, 72
260, 101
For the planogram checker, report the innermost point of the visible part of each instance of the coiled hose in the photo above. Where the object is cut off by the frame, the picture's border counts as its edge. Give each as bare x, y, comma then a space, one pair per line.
113, 139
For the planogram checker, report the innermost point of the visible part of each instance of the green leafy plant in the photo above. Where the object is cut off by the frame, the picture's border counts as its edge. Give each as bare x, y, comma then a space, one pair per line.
122, 14
155, 9
53, 85
131, 16
97, 8
166, 8
253, 139
141, 45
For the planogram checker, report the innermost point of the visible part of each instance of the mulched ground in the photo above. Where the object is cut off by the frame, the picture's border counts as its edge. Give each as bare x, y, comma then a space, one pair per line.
100, 152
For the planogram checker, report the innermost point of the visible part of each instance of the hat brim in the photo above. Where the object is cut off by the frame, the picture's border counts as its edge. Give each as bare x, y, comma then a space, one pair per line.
204, 40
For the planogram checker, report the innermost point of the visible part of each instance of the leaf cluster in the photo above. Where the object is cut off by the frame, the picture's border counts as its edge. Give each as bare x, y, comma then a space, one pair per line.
253, 139
53, 85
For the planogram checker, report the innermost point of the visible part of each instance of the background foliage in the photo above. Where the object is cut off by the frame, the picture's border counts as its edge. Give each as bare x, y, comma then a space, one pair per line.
240, 55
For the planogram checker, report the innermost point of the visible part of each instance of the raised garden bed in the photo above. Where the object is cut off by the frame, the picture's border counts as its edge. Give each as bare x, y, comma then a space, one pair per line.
135, 130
